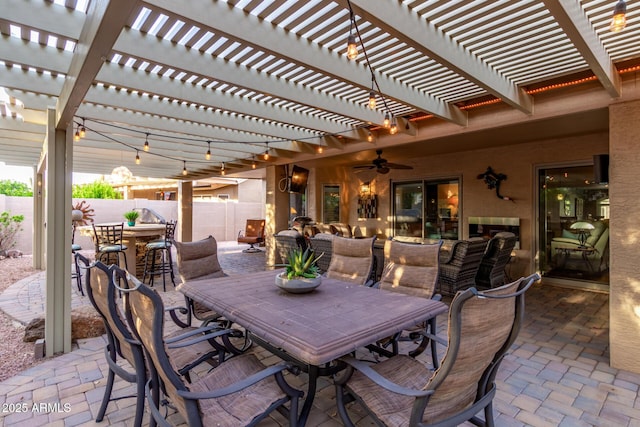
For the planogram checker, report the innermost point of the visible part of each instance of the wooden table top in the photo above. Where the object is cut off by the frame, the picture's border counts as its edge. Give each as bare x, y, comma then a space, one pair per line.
318, 327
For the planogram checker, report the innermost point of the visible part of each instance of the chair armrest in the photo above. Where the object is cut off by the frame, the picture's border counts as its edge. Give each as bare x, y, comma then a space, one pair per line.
374, 376
235, 387
197, 331
173, 313
204, 337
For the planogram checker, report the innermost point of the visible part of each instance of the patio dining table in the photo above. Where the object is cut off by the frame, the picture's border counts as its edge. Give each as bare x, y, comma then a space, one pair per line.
313, 329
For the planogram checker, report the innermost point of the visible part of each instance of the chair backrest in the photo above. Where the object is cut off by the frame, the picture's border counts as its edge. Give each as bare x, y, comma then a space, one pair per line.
198, 260
341, 229
410, 268
255, 228
108, 234
170, 231
495, 258
351, 259
104, 298
322, 245
287, 240
482, 327
145, 316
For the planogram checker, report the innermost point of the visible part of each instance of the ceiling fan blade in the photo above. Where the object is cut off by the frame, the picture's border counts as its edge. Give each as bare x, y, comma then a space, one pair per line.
397, 166
364, 167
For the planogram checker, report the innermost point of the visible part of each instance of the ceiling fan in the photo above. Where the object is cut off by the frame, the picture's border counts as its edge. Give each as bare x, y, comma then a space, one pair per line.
381, 165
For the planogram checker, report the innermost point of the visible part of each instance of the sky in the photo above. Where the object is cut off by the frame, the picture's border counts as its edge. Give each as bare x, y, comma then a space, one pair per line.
25, 174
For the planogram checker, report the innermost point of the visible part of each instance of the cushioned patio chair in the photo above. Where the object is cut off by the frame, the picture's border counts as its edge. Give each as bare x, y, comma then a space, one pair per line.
458, 270
412, 269
286, 241
157, 257
322, 245
352, 260
240, 391
253, 234
108, 241
496, 257
199, 261
121, 343
403, 391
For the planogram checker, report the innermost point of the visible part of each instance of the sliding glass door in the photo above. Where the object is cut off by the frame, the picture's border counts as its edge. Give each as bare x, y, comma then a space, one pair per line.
426, 209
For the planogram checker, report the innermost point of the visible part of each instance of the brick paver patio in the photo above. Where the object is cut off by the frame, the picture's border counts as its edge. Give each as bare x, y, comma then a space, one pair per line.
557, 373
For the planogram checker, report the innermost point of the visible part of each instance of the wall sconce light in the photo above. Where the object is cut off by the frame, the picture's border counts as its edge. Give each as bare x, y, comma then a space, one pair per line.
619, 20
560, 197
365, 188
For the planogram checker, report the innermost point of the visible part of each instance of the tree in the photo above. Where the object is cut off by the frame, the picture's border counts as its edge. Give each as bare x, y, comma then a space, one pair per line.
15, 188
95, 190
9, 227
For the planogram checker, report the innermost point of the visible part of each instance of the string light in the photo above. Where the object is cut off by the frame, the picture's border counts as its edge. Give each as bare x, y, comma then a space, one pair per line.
184, 168
370, 137
352, 45
320, 149
146, 142
137, 157
253, 164
266, 152
619, 20
394, 127
222, 171
387, 121
83, 131
372, 94
208, 155
76, 136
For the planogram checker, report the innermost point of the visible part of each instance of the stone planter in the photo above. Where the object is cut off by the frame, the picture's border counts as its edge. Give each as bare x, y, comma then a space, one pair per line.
299, 285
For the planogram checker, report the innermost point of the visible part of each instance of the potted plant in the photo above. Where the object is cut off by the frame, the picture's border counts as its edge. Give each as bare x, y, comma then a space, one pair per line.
301, 272
131, 217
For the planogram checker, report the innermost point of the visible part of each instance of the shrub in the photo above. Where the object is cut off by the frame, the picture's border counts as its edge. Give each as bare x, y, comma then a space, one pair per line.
95, 190
9, 227
15, 188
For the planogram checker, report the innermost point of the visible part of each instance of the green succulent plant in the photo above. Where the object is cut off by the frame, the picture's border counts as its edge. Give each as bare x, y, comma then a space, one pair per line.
302, 264
131, 215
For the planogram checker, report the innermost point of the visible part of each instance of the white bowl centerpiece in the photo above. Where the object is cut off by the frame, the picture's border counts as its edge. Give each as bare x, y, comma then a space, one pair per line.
301, 272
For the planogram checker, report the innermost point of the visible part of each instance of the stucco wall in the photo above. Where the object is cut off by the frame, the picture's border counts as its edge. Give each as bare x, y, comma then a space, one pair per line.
518, 162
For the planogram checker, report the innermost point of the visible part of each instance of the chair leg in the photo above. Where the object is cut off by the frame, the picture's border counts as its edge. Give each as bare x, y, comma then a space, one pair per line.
78, 277
107, 396
173, 277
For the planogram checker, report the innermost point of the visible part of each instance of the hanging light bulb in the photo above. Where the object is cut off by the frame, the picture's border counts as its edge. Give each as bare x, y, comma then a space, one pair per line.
184, 168
352, 44
83, 131
76, 136
222, 171
253, 164
372, 100
387, 121
394, 127
370, 137
352, 47
137, 157
146, 142
619, 20
208, 155
266, 152
320, 149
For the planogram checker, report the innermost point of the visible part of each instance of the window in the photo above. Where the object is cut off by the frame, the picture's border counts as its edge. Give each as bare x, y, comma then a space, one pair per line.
330, 203
426, 209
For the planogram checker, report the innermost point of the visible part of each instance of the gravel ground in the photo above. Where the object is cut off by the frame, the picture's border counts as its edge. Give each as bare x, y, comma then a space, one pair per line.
15, 355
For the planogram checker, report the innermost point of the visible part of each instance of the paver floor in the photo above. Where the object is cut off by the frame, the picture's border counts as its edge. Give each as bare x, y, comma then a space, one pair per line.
557, 373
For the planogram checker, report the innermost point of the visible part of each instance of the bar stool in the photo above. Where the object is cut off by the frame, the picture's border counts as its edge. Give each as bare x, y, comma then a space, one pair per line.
108, 240
154, 266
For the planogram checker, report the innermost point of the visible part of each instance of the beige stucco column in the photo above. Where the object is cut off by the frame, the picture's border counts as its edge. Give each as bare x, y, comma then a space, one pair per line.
624, 196
277, 210
59, 164
184, 233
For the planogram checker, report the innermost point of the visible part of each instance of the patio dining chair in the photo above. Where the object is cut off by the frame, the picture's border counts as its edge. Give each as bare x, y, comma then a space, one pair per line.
286, 241
322, 245
108, 241
240, 391
403, 391
412, 269
121, 343
458, 270
199, 261
352, 260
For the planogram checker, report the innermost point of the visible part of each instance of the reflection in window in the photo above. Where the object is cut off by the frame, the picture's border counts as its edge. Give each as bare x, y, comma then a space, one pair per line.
330, 203
426, 209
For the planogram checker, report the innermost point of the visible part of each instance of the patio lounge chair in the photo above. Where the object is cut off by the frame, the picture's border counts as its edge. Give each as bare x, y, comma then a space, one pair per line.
496, 257
121, 343
412, 269
458, 270
352, 260
240, 391
253, 234
402, 391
